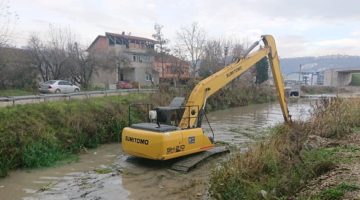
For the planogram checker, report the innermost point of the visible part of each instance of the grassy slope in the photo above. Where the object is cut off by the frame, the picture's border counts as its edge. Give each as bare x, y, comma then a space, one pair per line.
282, 165
15, 92
39, 134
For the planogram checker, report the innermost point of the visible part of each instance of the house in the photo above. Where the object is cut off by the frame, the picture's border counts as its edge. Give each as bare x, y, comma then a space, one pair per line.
127, 58
170, 67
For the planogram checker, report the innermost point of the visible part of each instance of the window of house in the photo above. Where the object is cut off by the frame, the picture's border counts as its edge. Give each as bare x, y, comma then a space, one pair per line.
118, 41
111, 41
148, 77
134, 58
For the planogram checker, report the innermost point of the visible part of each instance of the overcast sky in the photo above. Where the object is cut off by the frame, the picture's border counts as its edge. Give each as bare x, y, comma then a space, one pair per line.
300, 27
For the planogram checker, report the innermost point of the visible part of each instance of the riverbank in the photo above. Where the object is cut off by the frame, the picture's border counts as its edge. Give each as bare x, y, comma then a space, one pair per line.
38, 135
140, 178
284, 166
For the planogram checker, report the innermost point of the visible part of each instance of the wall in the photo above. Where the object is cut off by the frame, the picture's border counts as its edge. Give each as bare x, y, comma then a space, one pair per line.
335, 78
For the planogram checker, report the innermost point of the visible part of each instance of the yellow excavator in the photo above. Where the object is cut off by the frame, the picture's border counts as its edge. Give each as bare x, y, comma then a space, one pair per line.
175, 130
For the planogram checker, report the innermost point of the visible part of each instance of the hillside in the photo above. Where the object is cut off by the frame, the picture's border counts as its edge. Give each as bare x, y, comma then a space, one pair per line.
289, 65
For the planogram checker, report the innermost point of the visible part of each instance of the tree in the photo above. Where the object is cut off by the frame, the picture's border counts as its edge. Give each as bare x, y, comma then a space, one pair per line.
52, 56
178, 64
7, 18
217, 54
16, 69
213, 58
161, 44
262, 68
82, 65
61, 57
192, 39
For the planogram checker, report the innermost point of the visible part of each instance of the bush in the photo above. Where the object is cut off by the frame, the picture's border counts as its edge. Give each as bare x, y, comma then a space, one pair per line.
36, 135
241, 95
334, 117
280, 166
316, 89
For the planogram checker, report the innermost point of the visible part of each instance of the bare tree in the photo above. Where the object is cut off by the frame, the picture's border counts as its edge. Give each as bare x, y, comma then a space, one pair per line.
213, 58
178, 64
192, 39
82, 64
7, 18
36, 50
161, 44
52, 57
219, 53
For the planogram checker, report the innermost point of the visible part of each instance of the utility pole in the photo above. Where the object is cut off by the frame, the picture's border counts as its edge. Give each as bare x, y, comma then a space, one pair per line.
226, 50
300, 75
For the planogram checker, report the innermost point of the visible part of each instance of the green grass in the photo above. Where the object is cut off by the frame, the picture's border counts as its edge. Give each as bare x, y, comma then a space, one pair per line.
336, 192
273, 166
39, 135
15, 92
355, 80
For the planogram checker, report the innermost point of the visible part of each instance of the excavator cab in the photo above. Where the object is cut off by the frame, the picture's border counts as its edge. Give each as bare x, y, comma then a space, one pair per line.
172, 114
161, 138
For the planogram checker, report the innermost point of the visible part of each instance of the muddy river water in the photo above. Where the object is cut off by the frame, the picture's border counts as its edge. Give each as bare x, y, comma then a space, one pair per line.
107, 173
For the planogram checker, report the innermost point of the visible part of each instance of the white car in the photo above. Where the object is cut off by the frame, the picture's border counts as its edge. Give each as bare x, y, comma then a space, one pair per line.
58, 86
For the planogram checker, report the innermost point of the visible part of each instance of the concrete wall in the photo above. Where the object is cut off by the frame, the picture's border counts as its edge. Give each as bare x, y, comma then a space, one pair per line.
344, 78
337, 78
103, 78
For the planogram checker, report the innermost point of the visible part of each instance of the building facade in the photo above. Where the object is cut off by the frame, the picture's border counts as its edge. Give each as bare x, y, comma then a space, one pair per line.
170, 67
126, 58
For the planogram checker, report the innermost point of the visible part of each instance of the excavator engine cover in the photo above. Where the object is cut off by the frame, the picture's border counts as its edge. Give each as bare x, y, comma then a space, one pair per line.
147, 140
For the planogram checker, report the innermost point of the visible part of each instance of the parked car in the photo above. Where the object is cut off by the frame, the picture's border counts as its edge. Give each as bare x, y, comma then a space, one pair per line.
58, 86
124, 85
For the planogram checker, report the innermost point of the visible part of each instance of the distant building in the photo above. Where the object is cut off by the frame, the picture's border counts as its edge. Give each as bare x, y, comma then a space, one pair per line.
128, 58
170, 67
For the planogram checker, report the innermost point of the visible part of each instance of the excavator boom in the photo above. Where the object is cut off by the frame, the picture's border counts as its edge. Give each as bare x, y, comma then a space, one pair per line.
215, 82
163, 140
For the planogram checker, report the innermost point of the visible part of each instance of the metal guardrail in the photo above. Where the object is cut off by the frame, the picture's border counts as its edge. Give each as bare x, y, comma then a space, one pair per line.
14, 100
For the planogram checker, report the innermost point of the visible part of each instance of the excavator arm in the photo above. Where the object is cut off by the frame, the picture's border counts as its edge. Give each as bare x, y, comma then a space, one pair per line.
195, 105
165, 141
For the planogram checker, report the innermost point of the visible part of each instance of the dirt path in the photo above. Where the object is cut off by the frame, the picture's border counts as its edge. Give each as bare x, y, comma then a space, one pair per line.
347, 172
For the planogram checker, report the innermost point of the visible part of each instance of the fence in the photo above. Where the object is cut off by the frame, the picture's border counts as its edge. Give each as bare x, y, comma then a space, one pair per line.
16, 100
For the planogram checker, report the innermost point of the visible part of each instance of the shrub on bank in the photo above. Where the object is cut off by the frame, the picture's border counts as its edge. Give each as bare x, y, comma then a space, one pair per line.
280, 166
37, 135
334, 118
318, 89
241, 95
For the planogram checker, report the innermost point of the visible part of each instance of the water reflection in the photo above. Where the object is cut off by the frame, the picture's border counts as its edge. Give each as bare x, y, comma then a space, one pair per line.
244, 124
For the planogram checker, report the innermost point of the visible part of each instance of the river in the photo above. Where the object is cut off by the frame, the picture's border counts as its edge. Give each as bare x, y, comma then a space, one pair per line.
104, 173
